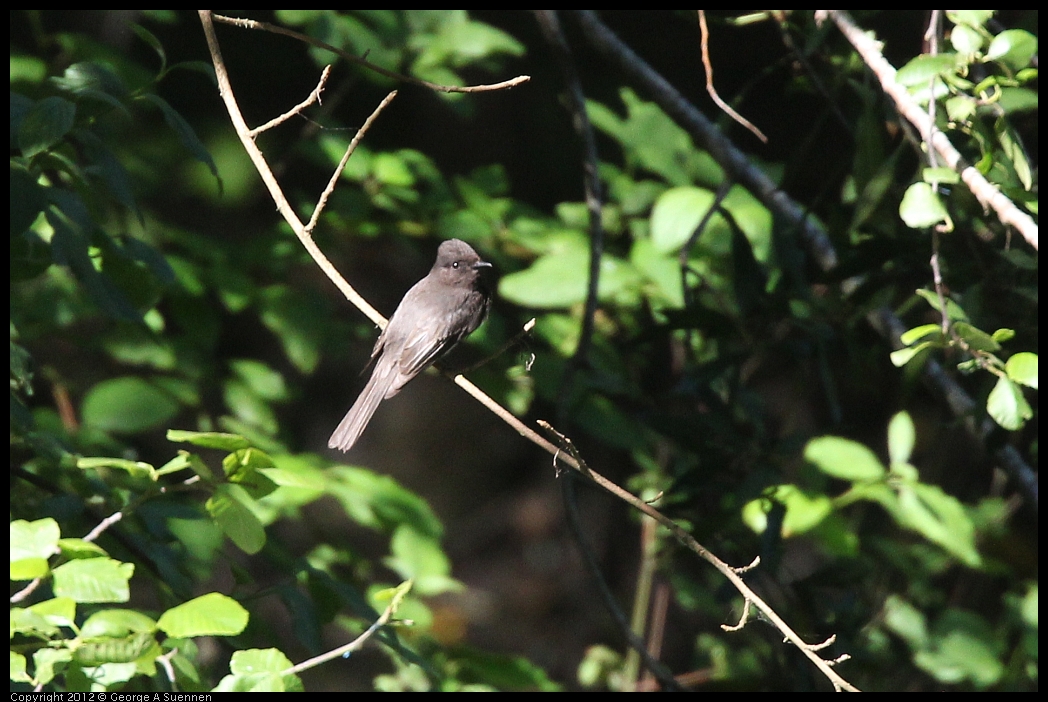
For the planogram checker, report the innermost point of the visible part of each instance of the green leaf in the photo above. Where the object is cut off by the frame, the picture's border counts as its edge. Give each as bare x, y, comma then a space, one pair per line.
940, 518
32, 544
18, 674
185, 133
229, 508
60, 611
652, 140
420, 558
262, 379
754, 219
1022, 368
962, 646
296, 322
1015, 100
901, 357
213, 614
901, 438
975, 337
94, 580
28, 622
1007, 405
966, 40
260, 670
804, 511
1013, 47
209, 439
922, 68
906, 620
149, 38
553, 281
127, 405
135, 468
911, 335
380, 502
1002, 335
676, 215
38, 539
844, 459
93, 80
942, 175
975, 19
662, 272
953, 311
47, 123
921, 207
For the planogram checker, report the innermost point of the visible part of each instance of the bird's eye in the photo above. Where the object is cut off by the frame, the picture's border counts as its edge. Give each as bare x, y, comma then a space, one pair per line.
455, 264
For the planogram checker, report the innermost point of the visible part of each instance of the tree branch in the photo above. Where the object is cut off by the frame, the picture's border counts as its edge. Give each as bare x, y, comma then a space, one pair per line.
729, 156
276, 29
986, 192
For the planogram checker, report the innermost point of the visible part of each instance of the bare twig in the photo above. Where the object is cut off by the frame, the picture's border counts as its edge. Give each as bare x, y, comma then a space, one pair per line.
357, 643
986, 192
708, 65
276, 29
729, 156
524, 331
322, 202
314, 97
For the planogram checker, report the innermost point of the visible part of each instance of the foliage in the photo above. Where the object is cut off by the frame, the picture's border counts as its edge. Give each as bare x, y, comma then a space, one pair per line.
165, 500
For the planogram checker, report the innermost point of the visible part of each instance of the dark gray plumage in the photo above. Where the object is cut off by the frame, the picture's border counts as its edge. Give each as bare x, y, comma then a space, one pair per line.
435, 314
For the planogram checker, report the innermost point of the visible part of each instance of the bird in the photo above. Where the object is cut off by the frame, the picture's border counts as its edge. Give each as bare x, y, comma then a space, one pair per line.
435, 314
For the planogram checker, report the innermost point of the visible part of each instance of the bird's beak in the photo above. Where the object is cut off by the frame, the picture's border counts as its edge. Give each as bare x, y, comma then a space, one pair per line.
481, 264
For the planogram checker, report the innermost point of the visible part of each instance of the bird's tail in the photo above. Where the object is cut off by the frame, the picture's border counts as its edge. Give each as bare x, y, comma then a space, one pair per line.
358, 416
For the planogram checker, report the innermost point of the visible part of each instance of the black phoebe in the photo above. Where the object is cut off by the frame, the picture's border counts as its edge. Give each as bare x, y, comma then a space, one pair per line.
438, 312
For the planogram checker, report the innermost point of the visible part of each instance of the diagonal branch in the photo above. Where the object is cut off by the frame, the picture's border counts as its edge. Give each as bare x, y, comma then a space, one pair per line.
721, 148
986, 192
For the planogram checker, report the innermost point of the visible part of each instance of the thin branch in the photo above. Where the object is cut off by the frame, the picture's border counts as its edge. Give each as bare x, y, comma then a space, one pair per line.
524, 331
322, 202
276, 29
705, 133
357, 643
986, 192
314, 97
708, 65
